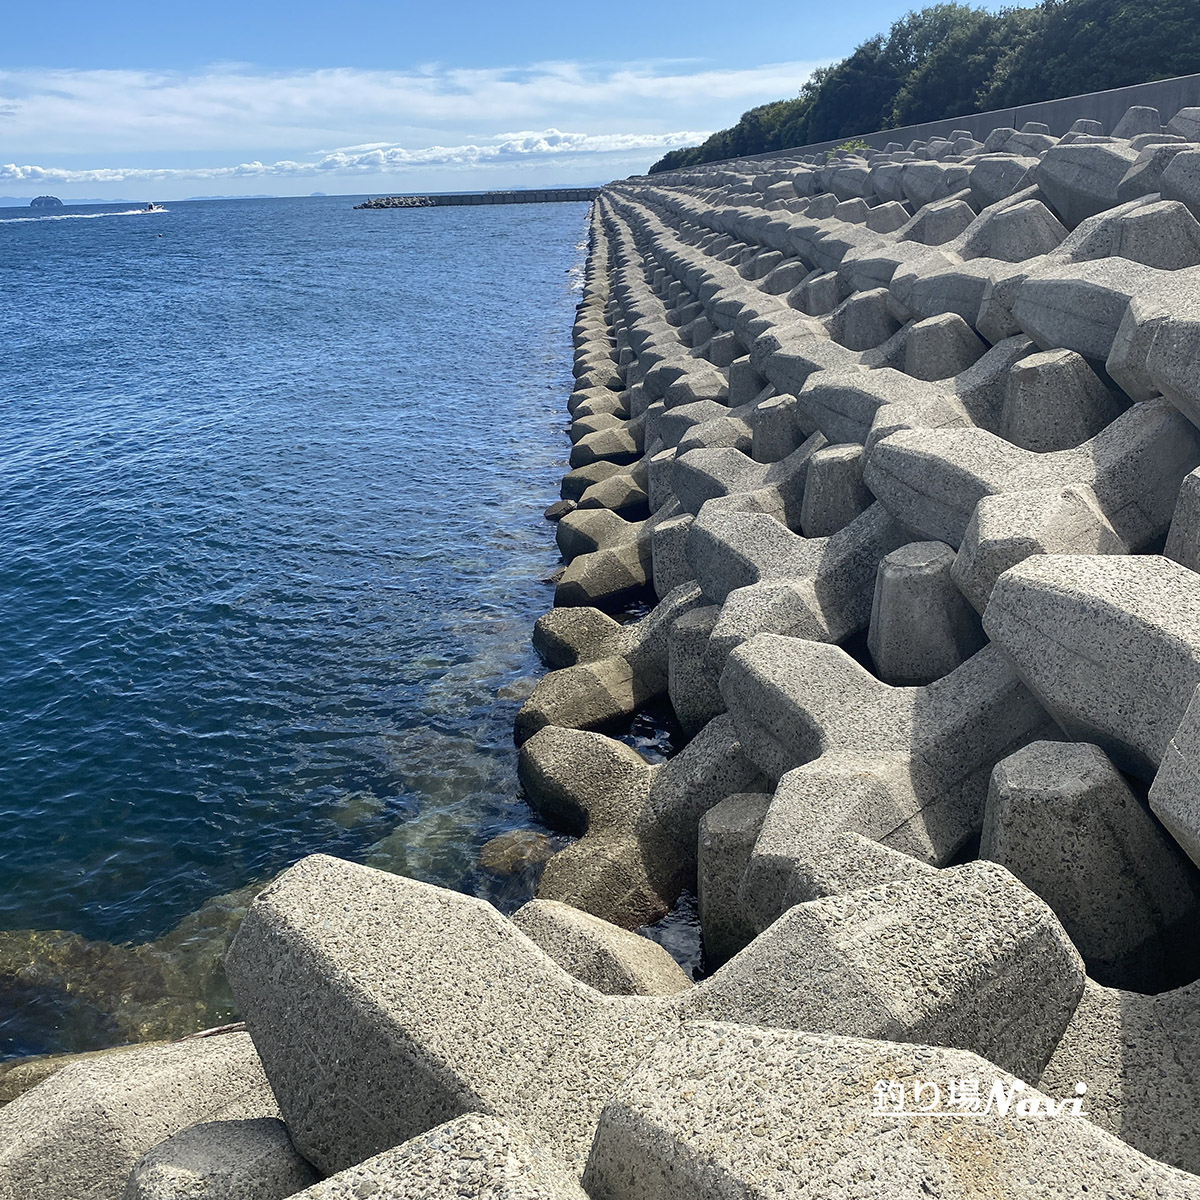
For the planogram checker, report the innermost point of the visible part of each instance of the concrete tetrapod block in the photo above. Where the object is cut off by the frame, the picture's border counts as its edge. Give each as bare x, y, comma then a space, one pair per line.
383, 1007
794, 700
670, 560
694, 670
576, 482
1110, 645
1139, 119
80, 1132
999, 176
1082, 180
473, 1156
1145, 177
1181, 180
846, 405
1079, 306
1140, 1058
1055, 401
929, 288
746, 1114
965, 957
710, 767
638, 852
1063, 820
1175, 792
728, 832
1146, 317
702, 476
222, 1160
942, 346
629, 668
587, 530
1009, 528
847, 862
612, 576
863, 321
1183, 538
18, 1075
922, 626
624, 493
1012, 231
1171, 360
834, 493
574, 779
771, 580
430, 1004
593, 695
940, 222
1186, 123
602, 955
906, 767
1156, 233
932, 479
566, 636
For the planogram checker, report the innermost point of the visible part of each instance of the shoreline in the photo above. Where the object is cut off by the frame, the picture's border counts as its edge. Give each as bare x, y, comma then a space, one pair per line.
906, 446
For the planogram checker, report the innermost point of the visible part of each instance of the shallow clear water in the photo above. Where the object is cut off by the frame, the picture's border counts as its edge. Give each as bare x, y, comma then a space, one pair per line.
270, 545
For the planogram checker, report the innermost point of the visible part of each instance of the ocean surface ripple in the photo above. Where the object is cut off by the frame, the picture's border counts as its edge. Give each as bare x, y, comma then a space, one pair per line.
272, 547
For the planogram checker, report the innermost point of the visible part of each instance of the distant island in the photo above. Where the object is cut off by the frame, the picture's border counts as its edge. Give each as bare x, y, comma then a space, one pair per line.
45, 202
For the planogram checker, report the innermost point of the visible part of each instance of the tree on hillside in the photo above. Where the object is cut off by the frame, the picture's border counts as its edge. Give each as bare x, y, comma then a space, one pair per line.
951, 59
1092, 45
918, 35
856, 95
956, 73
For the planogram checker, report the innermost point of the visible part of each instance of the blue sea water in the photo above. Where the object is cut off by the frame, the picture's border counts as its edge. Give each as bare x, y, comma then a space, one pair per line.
270, 542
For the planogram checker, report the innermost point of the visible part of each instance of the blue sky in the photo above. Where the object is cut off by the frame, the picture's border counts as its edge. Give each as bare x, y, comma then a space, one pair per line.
168, 100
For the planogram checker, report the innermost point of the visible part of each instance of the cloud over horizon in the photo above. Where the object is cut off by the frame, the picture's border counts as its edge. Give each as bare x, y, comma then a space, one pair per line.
372, 159
233, 121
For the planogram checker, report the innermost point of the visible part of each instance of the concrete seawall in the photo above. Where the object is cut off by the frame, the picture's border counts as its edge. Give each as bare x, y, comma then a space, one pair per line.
1168, 96
897, 456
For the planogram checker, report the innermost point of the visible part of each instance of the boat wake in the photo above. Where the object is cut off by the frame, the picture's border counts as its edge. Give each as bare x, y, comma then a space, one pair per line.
125, 212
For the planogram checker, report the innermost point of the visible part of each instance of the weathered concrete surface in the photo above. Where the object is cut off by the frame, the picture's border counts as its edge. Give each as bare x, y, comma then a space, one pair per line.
472, 1156
432, 1005
604, 956
80, 1132
1109, 644
222, 1160
1140, 1058
1061, 817
806, 1126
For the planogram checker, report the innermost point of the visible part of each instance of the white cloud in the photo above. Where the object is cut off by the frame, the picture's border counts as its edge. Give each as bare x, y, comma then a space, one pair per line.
232, 108
374, 159
426, 127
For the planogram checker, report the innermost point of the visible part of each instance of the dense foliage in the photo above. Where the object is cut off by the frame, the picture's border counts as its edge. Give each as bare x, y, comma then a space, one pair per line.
951, 59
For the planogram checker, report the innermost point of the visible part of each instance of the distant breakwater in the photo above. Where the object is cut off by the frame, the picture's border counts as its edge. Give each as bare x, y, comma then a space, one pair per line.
546, 196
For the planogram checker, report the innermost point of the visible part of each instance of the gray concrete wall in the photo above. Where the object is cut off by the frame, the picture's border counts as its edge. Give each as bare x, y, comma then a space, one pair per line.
1167, 95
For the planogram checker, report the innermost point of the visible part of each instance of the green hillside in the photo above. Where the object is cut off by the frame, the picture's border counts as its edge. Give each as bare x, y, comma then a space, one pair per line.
951, 59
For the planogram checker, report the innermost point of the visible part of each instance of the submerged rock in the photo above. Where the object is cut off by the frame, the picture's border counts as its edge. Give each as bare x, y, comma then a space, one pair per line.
96, 994
515, 851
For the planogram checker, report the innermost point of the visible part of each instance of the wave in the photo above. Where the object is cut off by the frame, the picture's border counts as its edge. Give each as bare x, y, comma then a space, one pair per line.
125, 212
